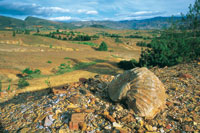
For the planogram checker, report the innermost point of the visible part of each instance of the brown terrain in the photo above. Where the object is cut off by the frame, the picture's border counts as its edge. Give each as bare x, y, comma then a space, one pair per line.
29, 51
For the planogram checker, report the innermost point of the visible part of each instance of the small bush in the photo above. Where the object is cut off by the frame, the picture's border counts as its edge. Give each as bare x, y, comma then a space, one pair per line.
64, 68
9, 86
49, 61
95, 37
66, 58
22, 83
117, 40
59, 37
14, 34
37, 71
103, 47
27, 32
31, 73
27, 71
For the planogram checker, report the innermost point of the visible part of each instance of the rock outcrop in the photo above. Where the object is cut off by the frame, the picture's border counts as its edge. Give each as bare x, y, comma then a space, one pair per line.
142, 91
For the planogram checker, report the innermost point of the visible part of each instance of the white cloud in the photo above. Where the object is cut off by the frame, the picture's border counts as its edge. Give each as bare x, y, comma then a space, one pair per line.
89, 12
54, 9
142, 13
92, 12
81, 11
63, 18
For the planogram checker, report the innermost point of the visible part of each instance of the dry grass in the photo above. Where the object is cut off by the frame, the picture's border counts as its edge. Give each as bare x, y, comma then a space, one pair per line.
22, 51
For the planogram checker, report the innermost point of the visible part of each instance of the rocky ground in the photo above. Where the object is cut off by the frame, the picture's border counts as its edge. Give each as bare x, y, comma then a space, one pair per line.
85, 107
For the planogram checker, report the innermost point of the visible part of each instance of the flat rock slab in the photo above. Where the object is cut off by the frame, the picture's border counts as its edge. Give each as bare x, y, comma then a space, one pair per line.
142, 91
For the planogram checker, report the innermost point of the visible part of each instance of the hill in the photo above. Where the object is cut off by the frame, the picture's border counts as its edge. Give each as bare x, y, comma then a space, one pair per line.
46, 24
33, 23
9, 23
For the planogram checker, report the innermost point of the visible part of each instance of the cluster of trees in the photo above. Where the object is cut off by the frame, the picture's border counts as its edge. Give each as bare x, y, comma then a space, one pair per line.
134, 36
26, 31
117, 36
82, 38
180, 43
110, 35
71, 36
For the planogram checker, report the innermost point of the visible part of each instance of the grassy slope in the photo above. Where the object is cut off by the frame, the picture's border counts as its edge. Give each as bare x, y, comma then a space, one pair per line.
29, 54
11, 22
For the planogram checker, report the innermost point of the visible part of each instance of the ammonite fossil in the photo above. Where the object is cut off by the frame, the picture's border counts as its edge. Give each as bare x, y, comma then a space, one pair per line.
141, 90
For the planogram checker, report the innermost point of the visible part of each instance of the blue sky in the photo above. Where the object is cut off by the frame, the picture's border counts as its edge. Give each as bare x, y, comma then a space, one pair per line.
83, 10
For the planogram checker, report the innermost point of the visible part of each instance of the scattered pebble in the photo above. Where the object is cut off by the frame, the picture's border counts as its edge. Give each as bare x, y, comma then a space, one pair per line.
85, 106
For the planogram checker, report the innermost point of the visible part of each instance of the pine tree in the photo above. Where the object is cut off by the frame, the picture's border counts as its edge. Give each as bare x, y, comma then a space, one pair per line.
14, 34
103, 47
38, 30
192, 19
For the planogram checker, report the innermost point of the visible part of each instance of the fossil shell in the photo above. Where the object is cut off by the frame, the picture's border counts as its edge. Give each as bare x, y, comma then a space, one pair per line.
142, 91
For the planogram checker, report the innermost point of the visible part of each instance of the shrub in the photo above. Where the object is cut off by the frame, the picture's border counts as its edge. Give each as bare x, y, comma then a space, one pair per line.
38, 30
64, 68
14, 34
95, 37
59, 37
22, 83
9, 86
126, 65
37, 71
146, 38
27, 71
142, 44
31, 73
27, 32
117, 40
48, 83
66, 58
103, 47
49, 61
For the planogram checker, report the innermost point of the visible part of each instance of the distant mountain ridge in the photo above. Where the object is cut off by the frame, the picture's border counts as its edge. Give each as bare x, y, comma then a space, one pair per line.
152, 23
33, 23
